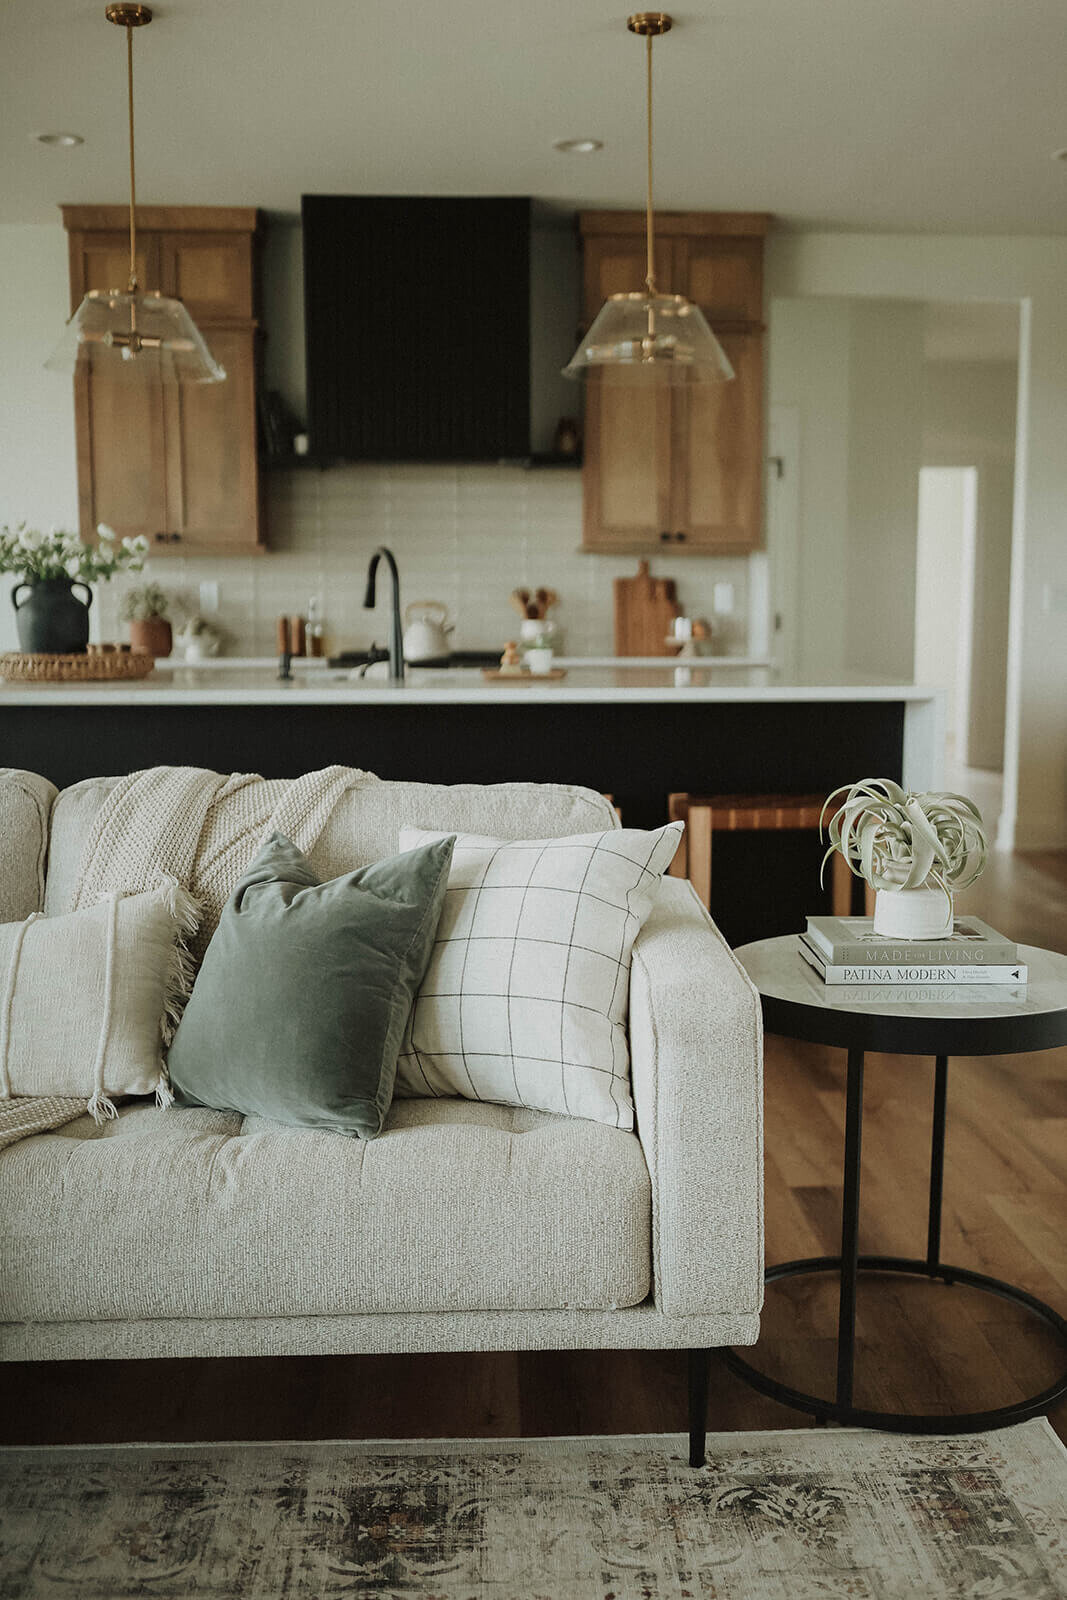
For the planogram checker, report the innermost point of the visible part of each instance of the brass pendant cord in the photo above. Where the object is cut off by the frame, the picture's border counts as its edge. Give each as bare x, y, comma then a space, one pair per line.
650, 278
133, 175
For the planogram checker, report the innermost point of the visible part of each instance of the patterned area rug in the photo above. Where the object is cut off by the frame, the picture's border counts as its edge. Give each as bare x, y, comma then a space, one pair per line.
774, 1516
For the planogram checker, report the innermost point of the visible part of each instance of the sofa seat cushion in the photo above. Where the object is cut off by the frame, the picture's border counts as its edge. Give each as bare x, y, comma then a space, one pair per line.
188, 1212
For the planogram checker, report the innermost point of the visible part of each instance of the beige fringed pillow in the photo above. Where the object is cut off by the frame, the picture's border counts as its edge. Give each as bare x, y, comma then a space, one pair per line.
88, 1000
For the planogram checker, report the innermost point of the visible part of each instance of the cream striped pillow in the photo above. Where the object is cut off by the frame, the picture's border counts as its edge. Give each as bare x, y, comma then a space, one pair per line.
526, 995
88, 999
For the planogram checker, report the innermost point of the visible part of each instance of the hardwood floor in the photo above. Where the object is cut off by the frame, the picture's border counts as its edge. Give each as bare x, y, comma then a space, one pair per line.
920, 1346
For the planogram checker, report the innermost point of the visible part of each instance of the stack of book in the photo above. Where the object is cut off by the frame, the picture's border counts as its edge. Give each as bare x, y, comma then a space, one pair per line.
846, 950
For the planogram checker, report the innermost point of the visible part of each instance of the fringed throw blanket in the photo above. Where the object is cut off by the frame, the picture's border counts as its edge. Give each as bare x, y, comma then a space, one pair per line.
196, 827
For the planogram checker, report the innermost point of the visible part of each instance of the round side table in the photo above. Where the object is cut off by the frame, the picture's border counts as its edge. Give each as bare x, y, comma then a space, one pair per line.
974, 1021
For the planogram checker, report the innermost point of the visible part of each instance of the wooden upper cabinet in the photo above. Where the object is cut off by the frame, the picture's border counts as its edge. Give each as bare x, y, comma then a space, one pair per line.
174, 462
678, 467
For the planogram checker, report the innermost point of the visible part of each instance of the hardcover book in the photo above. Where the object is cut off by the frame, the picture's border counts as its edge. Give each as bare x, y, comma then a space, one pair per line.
852, 941
876, 972
926, 994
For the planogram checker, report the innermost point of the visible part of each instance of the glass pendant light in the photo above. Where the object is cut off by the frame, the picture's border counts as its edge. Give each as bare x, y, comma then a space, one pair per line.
648, 337
120, 333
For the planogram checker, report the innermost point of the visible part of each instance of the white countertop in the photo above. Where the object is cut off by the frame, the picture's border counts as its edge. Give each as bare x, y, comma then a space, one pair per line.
257, 683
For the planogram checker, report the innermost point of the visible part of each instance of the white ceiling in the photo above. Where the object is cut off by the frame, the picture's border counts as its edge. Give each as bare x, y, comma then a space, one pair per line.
927, 115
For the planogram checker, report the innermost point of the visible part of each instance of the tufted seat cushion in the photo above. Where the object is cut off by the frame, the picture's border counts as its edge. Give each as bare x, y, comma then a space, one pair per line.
457, 1206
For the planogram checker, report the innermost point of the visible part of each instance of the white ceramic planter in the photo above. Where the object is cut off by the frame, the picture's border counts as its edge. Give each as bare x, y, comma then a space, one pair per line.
912, 914
539, 660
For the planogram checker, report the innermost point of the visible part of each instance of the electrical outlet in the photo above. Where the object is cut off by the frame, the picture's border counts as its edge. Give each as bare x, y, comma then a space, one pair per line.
209, 597
723, 599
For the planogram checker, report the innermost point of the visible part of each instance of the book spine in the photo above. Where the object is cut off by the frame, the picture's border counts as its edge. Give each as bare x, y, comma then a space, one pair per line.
866, 954
983, 976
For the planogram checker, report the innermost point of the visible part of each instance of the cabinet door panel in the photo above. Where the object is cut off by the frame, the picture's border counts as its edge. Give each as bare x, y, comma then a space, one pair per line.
627, 486
212, 486
619, 265
627, 466
102, 261
723, 276
119, 429
719, 449
210, 272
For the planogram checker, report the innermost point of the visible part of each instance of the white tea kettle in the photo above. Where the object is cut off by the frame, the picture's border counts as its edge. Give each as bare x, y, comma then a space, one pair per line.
426, 630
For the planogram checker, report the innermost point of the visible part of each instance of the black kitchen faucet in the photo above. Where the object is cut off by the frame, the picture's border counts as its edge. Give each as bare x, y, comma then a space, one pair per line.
395, 653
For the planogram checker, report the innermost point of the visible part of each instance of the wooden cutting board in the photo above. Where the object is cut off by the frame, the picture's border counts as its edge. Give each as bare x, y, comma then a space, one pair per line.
645, 608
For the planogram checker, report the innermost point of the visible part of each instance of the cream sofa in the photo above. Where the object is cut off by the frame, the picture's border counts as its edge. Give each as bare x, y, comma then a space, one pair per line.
465, 1226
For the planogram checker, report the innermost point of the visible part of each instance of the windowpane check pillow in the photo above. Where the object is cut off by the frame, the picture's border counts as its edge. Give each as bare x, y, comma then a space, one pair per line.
525, 997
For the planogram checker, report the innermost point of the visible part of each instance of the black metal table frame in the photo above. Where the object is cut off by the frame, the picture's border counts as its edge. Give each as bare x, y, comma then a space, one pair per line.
849, 1264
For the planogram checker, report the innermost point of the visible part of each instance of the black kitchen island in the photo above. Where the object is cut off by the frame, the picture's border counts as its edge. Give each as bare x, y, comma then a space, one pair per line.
637, 734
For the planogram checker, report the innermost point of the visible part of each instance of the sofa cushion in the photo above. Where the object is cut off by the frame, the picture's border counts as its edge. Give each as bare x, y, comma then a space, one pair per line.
303, 994
90, 996
366, 822
194, 1213
25, 804
526, 995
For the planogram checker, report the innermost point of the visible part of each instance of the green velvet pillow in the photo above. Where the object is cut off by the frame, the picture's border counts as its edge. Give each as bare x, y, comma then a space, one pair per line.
300, 1005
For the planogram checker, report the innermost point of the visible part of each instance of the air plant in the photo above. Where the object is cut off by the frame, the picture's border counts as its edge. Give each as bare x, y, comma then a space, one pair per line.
897, 840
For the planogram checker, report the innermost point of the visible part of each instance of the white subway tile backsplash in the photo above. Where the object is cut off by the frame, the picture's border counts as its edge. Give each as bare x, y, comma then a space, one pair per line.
463, 535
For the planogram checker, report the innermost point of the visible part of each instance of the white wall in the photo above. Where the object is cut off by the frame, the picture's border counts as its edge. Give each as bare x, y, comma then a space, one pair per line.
808, 375
884, 424
852, 372
1032, 271
38, 482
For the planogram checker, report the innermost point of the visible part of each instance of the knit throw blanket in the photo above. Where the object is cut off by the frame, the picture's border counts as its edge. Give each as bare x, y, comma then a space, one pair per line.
199, 828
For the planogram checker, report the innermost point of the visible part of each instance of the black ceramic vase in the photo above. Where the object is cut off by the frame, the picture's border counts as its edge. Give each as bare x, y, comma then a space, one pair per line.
52, 617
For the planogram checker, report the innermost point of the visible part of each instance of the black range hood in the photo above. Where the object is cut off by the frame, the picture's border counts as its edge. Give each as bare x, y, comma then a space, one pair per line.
417, 327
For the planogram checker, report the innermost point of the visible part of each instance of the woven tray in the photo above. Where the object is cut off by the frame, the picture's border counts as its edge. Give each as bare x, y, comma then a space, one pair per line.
43, 667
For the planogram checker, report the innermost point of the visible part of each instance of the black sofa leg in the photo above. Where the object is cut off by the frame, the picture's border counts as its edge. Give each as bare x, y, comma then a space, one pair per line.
698, 1405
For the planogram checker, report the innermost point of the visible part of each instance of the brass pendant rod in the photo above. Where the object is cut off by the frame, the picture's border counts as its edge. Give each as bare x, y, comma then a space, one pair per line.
133, 174
650, 279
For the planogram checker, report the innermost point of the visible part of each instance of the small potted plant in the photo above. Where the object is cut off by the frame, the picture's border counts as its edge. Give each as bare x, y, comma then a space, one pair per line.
145, 610
51, 618
915, 850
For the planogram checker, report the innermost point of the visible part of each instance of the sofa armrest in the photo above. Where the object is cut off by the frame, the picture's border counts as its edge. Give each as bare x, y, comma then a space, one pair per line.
696, 1042
25, 806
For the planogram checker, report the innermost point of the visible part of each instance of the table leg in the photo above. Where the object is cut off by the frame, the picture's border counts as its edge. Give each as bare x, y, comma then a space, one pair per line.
937, 1165
850, 1215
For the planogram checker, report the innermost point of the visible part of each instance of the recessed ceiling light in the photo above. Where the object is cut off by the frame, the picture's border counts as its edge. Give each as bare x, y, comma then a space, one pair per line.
66, 140
578, 147
1060, 155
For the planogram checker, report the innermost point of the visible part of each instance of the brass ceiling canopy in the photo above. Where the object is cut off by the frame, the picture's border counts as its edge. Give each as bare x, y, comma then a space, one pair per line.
645, 23
116, 333
647, 336
128, 16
